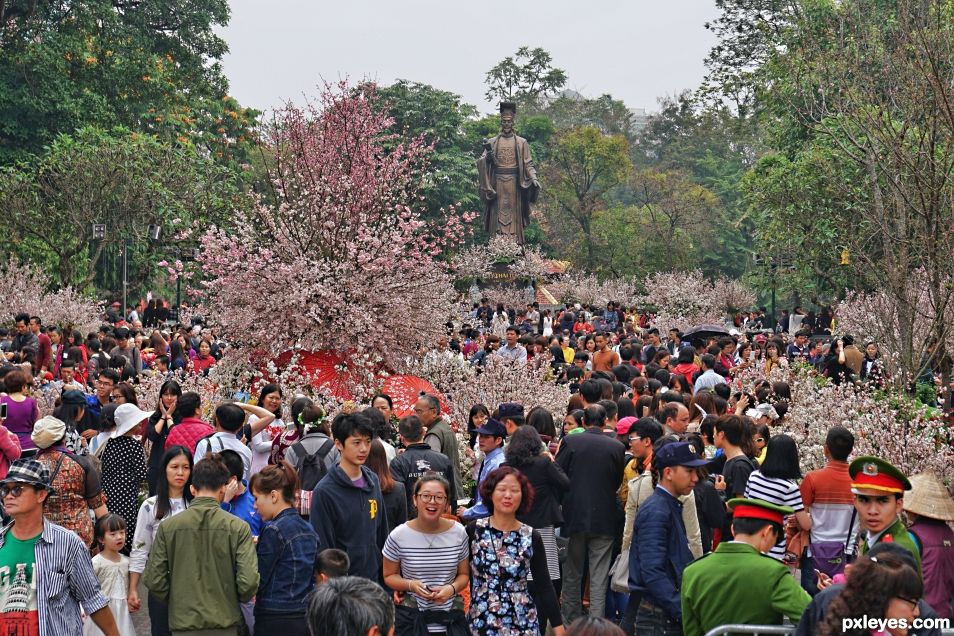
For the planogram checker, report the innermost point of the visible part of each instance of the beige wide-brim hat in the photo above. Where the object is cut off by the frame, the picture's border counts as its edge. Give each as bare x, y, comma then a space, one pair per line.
929, 498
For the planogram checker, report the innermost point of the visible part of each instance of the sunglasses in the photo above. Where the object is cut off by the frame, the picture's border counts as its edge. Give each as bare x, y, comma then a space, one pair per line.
16, 491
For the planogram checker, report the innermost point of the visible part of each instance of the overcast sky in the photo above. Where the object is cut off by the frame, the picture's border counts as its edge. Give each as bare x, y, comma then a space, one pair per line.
636, 50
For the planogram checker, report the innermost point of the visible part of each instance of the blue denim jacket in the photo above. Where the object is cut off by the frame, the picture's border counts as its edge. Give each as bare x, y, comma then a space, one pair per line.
287, 548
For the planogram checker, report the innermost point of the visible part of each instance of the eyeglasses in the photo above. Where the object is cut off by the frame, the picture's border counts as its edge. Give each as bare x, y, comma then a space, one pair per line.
911, 601
16, 491
428, 498
635, 438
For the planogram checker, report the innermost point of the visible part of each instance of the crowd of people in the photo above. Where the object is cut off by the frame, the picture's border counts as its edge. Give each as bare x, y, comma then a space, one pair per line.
661, 501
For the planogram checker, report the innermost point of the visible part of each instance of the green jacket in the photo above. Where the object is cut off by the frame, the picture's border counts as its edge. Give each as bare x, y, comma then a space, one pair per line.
737, 584
446, 443
202, 564
899, 534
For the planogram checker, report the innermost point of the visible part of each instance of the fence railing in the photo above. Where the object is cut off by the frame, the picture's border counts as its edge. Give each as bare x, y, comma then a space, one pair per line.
760, 630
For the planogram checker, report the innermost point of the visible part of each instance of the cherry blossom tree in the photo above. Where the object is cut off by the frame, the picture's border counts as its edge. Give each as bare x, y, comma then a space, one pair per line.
337, 255
584, 287
24, 287
685, 299
889, 425
903, 322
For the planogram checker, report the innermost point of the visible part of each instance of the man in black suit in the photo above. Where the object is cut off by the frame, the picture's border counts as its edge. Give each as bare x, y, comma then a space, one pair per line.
594, 464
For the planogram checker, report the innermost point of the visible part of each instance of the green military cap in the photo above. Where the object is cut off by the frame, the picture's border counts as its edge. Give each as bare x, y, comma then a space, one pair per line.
874, 473
758, 509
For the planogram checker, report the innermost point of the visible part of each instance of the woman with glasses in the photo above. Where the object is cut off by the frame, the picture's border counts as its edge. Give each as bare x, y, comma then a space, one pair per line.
877, 587
426, 561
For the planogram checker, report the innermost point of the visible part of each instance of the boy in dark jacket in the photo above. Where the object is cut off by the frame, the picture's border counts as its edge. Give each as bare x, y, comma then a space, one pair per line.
660, 549
347, 508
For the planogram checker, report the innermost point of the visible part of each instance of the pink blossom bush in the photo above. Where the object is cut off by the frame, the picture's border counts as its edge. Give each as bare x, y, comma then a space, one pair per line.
337, 256
583, 287
25, 287
887, 425
902, 322
686, 299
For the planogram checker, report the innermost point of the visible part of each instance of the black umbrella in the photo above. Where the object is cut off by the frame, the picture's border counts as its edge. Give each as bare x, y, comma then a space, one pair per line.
701, 332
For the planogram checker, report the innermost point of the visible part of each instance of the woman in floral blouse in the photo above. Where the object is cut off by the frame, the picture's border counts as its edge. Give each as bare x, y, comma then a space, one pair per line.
502, 552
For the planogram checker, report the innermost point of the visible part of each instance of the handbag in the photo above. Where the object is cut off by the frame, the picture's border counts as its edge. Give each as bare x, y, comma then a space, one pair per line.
831, 557
619, 572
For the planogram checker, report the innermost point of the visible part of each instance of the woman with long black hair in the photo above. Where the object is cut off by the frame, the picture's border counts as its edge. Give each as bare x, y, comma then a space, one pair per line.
157, 428
172, 497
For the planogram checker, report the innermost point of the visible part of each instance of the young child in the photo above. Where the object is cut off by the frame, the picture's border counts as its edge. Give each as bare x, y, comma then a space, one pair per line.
331, 564
112, 570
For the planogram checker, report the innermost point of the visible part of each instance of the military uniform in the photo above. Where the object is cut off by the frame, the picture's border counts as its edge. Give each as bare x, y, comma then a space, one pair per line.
738, 584
877, 477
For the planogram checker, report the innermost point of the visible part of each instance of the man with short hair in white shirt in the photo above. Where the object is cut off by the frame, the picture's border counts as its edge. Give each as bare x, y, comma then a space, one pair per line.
708, 378
228, 422
513, 350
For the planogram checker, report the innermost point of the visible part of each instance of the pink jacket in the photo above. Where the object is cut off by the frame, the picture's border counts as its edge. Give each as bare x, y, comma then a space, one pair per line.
9, 450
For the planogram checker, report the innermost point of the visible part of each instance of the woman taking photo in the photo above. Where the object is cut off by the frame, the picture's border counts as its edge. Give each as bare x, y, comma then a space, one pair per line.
157, 428
270, 399
287, 548
549, 482
426, 562
172, 497
504, 552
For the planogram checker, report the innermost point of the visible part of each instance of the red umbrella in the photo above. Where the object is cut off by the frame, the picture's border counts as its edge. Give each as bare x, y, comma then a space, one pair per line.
328, 370
405, 391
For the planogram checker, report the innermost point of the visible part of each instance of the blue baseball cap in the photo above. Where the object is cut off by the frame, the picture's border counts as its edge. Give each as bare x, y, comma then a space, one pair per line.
679, 454
492, 427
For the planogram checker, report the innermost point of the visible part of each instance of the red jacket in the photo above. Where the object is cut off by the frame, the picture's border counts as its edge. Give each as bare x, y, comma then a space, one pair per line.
187, 433
687, 369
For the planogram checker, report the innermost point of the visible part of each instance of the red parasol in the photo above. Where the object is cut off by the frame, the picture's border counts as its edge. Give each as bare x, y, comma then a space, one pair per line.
328, 371
405, 391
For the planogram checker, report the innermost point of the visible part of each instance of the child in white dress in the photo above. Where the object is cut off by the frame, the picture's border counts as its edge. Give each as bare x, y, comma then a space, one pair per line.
112, 570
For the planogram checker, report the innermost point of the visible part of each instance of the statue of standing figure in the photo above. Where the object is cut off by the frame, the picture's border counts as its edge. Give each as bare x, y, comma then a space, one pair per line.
507, 179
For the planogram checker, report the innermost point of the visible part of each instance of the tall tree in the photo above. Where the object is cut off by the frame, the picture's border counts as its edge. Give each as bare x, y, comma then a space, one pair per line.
584, 166
524, 76
344, 234
122, 179
150, 66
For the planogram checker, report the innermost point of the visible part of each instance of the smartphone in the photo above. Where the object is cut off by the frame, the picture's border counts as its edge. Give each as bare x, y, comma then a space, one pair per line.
3, 411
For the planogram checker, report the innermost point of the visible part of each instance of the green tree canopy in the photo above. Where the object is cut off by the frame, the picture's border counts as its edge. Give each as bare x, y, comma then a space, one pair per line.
149, 66
123, 179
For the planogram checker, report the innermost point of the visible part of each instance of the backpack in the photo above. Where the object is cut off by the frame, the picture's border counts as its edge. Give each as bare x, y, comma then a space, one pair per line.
311, 466
311, 469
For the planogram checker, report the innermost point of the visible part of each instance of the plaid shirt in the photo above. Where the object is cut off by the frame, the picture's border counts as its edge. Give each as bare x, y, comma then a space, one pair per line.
64, 580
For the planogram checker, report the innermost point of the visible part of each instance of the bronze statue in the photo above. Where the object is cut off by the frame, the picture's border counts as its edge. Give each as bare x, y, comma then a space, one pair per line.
507, 179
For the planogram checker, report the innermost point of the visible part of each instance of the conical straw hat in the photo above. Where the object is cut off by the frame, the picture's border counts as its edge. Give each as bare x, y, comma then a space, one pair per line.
929, 498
